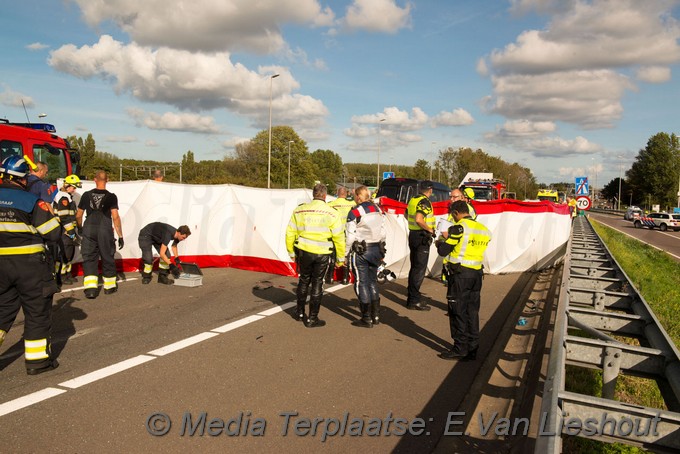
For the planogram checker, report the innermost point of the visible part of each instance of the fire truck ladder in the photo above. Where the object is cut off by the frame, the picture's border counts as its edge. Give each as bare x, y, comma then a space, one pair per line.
598, 301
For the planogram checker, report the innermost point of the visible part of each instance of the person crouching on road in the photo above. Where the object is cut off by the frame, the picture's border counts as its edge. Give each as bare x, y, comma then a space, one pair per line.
366, 233
314, 229
65, 207
162, 237
27, 278
465, 244
101, 208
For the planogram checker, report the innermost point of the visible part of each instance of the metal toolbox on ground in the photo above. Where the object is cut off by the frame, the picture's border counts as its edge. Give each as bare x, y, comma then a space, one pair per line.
191, 276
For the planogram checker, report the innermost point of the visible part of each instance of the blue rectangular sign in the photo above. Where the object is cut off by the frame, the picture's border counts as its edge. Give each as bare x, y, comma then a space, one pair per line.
581, 186
387, 175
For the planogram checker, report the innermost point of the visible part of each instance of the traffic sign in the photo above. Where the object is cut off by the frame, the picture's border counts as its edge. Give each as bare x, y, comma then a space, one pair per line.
581, 187
583, 202
387, 175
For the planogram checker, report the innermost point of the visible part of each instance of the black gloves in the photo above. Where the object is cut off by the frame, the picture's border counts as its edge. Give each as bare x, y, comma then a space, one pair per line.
121, 243
174, 269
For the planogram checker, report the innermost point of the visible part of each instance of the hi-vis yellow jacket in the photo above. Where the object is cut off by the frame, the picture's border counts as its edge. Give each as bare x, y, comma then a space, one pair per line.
421, 204
343, 206
468, 244
315, 227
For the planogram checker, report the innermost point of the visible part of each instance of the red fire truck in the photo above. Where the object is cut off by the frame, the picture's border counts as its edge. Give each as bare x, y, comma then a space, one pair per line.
486, 187
38, 142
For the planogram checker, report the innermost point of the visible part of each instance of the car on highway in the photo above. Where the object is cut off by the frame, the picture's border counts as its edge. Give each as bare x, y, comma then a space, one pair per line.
662, 221
632, 213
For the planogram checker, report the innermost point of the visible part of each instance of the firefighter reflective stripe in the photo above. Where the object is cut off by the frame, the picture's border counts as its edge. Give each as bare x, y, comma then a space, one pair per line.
70, 226
17, 227
48, 226
469, 249
90, 281
65, 267
148, 267
65, 213
317, 245
162, 265
20, 250
109, 282
36, 349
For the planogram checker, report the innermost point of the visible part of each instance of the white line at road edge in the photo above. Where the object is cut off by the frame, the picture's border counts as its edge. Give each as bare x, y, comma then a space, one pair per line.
44, 394
641, 241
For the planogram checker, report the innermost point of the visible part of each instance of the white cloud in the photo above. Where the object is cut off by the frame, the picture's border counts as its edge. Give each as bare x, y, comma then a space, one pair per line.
653, 74
151, 143
526, 128
171, 121
395, 119
121, 139
207, 25
591, 99
11, 98
572, 70
37, 46
192, 81
458, 117
377, 16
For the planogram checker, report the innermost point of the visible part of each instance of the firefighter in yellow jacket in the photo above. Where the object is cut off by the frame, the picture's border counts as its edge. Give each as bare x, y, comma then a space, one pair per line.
465, 247
313, 231
27, 277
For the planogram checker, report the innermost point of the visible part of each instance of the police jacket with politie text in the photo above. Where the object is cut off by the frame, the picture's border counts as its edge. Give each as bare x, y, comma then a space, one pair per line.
365, 222
466, 244
315, 227
26, 222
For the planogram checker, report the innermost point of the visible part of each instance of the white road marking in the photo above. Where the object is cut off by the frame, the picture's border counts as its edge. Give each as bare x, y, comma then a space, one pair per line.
44, 394
106, 371
182, 344
29, 399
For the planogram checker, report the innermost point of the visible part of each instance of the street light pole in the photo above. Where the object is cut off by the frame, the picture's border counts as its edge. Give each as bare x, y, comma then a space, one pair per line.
289, 142
620, 177
377, 181
269, 161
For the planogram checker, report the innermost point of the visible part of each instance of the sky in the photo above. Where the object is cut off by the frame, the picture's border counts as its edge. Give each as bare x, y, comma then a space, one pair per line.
567, 88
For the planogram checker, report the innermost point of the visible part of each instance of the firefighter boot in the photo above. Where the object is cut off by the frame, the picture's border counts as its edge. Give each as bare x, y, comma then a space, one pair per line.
365, 320
313, 320
146, 278
300, 313
375, 311
164, 278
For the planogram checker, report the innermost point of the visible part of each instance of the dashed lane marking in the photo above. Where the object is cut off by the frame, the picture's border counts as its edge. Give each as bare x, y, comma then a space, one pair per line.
44, 394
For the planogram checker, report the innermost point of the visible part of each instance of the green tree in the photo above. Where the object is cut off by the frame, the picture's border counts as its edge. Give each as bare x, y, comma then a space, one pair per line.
656, 170
327, 166
421, 170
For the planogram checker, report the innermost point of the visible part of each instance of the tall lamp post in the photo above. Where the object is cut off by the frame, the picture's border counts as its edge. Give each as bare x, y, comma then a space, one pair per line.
377, 181
269, 162
620, 177
289, 142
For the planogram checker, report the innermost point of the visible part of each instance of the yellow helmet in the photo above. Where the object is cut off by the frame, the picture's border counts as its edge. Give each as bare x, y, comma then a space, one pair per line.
469, 193
73, 180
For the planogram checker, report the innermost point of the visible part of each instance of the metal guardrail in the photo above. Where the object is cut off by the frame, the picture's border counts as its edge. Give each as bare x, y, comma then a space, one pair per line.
597, 300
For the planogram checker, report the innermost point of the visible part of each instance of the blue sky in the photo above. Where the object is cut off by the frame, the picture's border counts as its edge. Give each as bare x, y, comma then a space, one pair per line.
564, 87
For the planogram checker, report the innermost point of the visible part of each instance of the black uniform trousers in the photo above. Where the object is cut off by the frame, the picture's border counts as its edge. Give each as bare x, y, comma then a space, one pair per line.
98, 241
312, 269
27, 282
464, 296
419, 242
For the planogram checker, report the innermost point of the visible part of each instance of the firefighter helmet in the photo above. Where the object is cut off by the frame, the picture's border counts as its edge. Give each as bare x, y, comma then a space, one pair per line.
73, 180
469, 193
14, 166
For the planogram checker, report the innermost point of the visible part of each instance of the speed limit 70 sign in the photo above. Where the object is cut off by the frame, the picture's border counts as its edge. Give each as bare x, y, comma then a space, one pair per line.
583, 202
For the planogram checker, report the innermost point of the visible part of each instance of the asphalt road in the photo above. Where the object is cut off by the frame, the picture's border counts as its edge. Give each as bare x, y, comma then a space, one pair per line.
227, 351
668, 241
